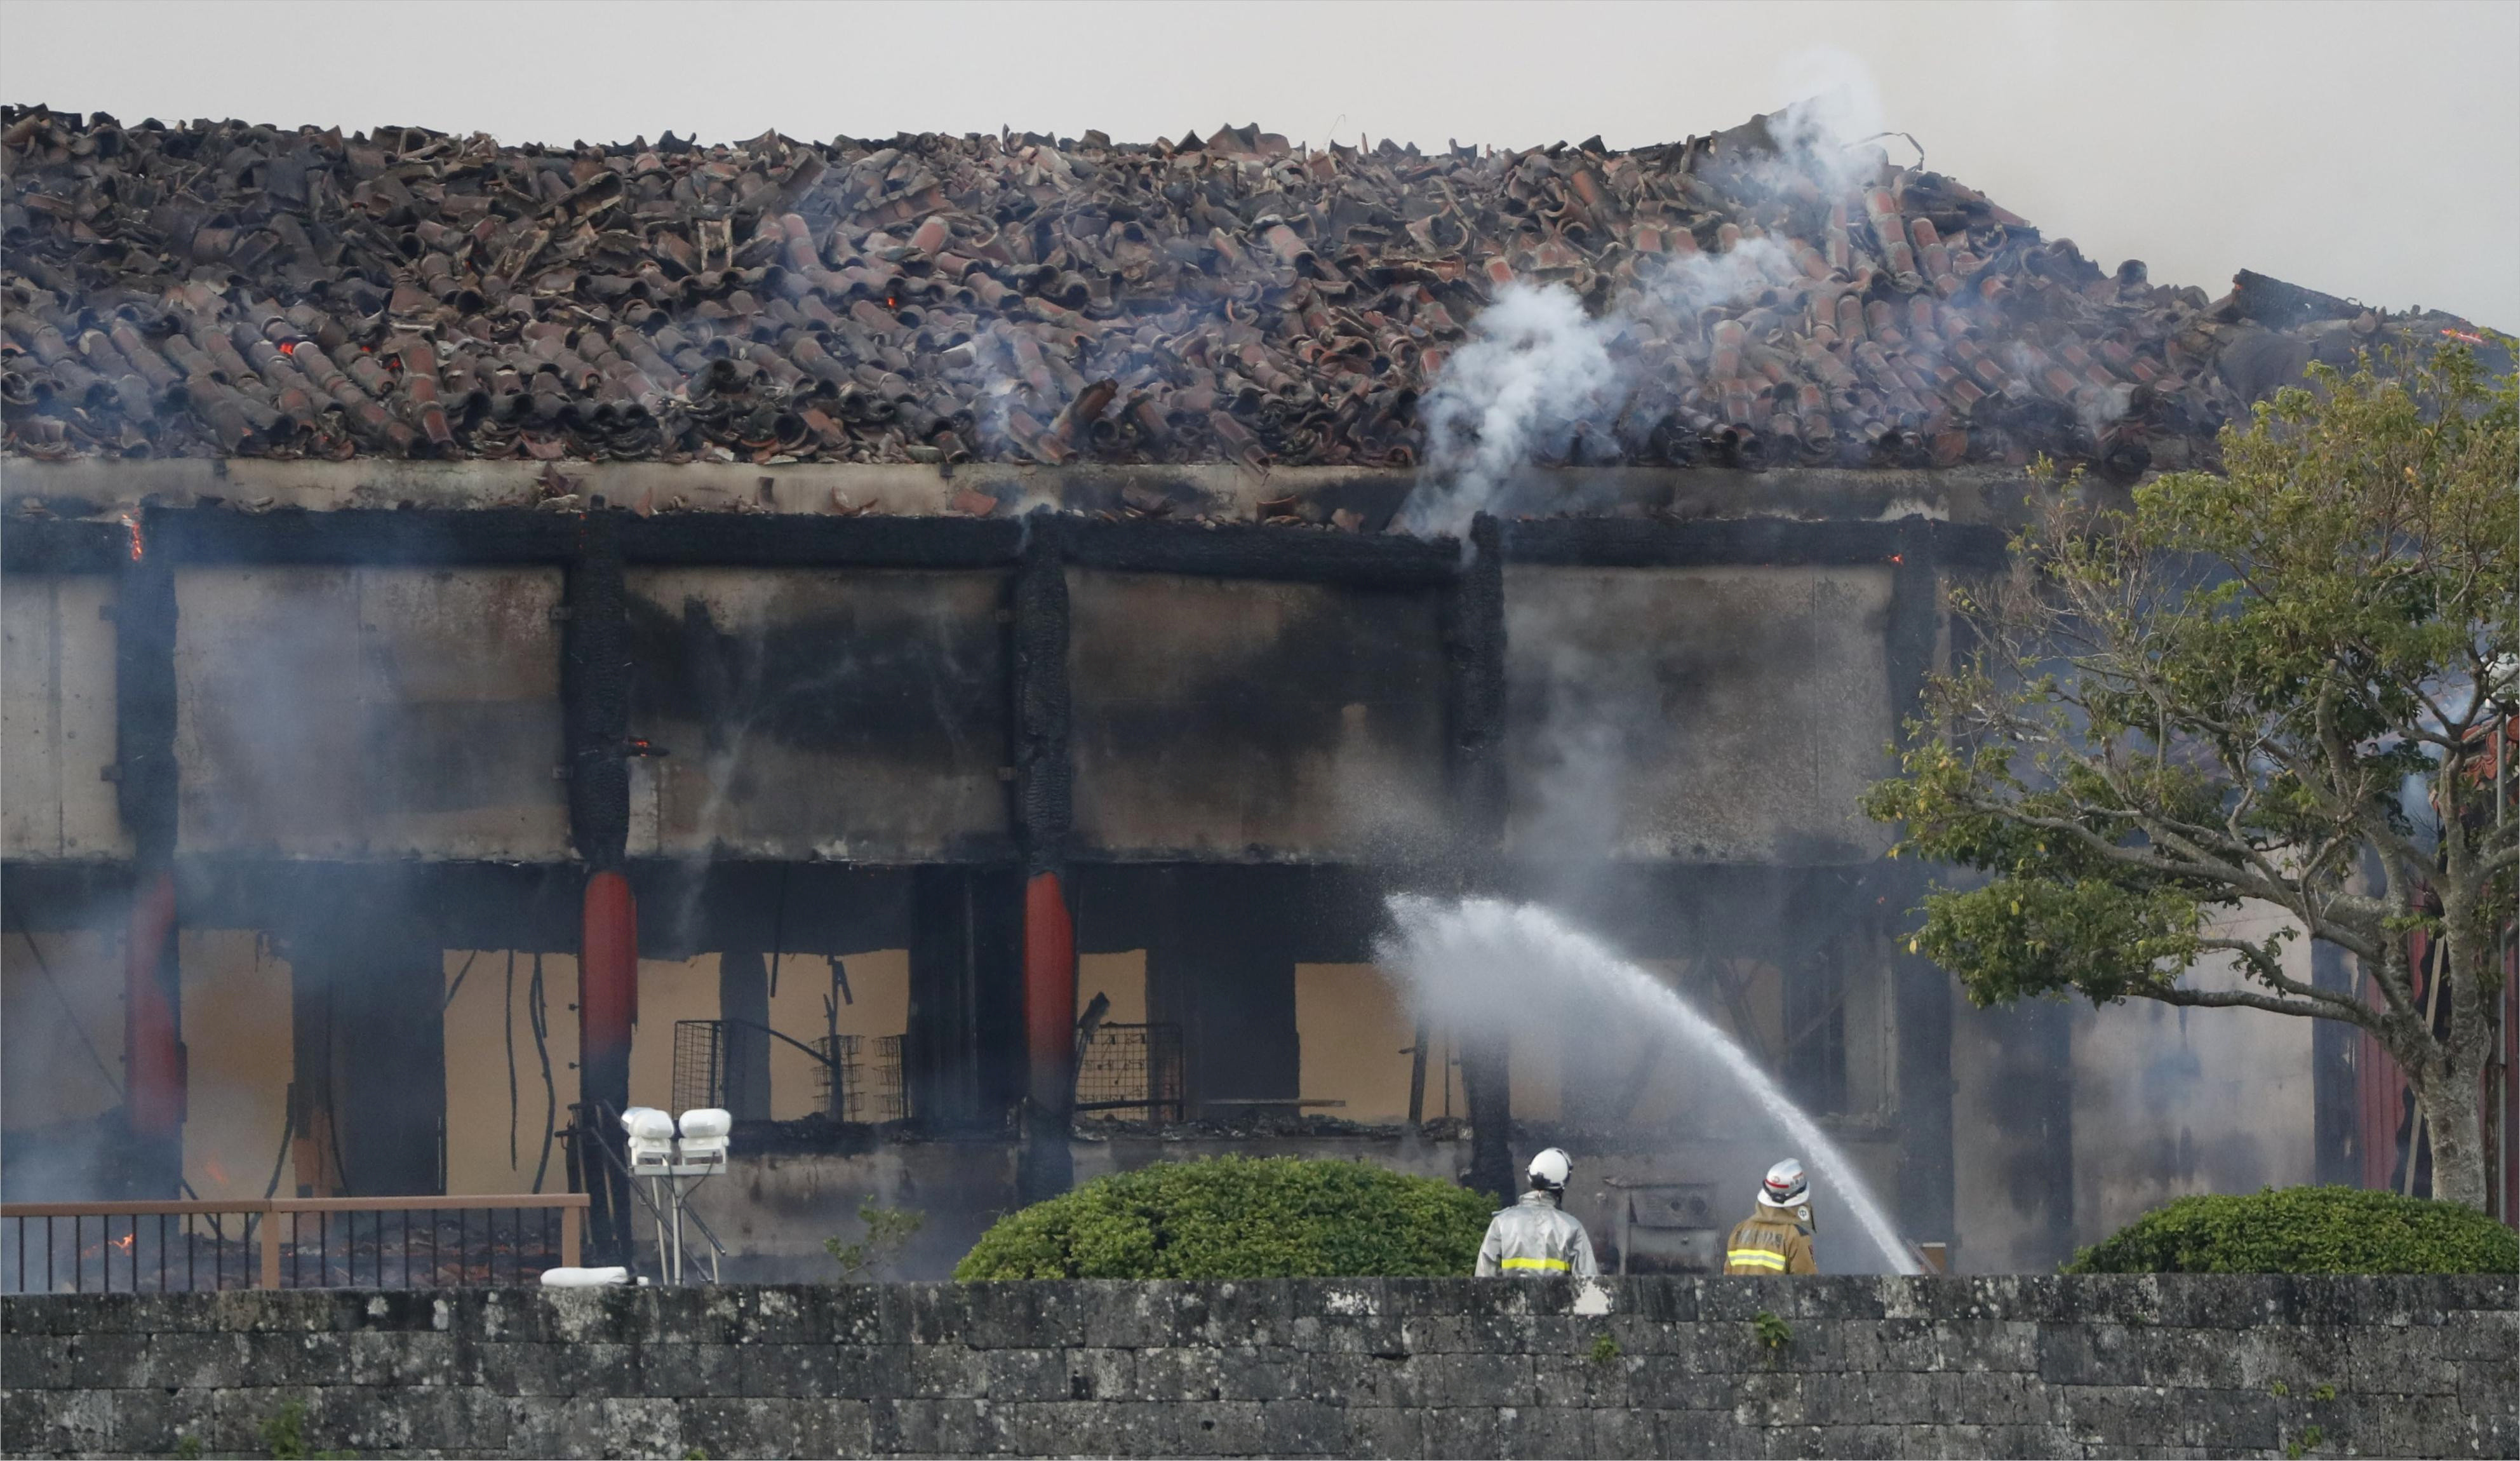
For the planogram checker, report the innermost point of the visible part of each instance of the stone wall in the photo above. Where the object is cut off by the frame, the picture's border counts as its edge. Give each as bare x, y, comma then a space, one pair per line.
2011, 1367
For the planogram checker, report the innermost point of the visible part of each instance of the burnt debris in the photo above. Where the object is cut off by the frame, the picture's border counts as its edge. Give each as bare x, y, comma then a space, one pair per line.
220, 289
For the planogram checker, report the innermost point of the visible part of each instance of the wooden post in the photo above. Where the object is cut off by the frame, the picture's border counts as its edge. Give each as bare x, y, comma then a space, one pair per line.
572, 1218
269, 1248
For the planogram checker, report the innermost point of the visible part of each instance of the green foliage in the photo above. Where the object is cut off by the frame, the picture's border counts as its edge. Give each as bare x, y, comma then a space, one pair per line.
2311, 1437
887, 1231
188, 1446
1240, 1217
2211, 693
2306, 1230
284, 1435
1606, 1349
2280, 1391
2323, 1392
1774, 1334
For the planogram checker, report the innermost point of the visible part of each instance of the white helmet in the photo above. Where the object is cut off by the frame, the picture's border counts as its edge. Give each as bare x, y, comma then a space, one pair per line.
1552, 1168
1785, 1186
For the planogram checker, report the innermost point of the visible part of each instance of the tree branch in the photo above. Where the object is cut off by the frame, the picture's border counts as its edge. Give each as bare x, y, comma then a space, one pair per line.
2272, 974
2219, 999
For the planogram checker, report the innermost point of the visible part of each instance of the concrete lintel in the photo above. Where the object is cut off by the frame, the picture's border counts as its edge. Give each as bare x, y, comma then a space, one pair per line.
108, 485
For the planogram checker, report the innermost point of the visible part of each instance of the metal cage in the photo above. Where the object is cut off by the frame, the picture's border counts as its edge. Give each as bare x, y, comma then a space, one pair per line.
836, 1086
700, 1064
889, 1099
1127, 1067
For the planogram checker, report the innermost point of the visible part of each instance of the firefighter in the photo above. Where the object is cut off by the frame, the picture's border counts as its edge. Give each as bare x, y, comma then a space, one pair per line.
1534, 1237
1775, 1238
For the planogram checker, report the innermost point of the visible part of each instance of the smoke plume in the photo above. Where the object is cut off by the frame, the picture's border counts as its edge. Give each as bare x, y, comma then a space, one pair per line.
1535, 365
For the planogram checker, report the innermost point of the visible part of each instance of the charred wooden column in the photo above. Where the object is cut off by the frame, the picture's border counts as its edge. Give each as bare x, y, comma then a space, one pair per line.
146, 788
963, 1065
1474, 661
596, 693
744, 1039
1921, 990
367, 1040
1474, 652
1043, 818
1221, 965
2336, 1106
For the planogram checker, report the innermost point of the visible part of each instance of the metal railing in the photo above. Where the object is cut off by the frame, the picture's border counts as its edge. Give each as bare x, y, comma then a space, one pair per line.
291, 1243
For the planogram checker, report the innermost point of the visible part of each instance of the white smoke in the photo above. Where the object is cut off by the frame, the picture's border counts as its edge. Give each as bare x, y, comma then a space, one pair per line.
1690, 282
1835, 107
1536, 361
1538, 365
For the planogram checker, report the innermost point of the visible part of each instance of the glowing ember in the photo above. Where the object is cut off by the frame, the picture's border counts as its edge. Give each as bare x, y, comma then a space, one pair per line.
132, 524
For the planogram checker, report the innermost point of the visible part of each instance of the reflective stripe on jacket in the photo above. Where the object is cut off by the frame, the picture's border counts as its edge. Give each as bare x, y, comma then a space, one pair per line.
1770, 1241
1534, 1237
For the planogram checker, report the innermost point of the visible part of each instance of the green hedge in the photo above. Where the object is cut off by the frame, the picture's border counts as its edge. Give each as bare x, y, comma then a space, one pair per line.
2306, 1230
1240, 1217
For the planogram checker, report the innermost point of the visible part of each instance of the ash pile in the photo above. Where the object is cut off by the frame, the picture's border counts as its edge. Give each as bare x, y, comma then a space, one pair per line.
220, 289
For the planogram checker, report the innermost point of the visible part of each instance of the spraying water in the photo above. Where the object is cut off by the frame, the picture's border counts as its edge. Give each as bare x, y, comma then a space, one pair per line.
1474, 961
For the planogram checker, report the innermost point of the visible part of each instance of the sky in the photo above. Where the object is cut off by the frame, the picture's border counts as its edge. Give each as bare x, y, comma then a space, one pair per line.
2367, 149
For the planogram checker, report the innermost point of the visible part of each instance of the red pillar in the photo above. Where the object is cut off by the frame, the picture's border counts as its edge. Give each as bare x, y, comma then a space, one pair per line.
1050, 992
153, 1051
608, 988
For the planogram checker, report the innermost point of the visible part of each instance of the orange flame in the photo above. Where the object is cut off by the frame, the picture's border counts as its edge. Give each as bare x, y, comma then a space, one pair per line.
131, 524
125, 1241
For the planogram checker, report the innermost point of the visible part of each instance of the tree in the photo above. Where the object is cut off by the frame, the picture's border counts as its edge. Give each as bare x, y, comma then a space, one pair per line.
2278, 684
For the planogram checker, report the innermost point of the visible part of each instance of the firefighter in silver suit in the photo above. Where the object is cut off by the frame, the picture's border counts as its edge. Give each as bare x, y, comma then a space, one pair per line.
1535, 1238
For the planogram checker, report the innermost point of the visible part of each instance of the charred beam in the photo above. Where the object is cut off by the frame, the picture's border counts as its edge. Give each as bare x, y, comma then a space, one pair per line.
44, 545
1767, 543
795, 541
368, 535
1249, 551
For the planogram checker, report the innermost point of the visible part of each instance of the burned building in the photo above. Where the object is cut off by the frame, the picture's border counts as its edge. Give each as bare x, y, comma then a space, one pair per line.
912, 640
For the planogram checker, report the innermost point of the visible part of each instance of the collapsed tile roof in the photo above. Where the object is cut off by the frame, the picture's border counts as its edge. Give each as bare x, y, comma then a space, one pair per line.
233, 290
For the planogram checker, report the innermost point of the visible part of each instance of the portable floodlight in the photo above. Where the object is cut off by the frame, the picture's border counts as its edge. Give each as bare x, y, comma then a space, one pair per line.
704, 1137
671, 1157
652, 1137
